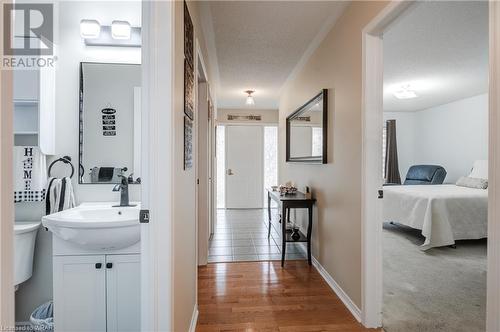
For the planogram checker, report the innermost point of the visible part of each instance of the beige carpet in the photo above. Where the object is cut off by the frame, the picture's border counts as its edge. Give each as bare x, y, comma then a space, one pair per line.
443, 289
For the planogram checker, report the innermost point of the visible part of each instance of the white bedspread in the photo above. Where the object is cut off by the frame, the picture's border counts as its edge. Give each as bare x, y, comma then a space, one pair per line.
444, 213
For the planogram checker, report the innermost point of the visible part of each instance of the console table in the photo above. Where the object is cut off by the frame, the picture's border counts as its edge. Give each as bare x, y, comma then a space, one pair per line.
297, 200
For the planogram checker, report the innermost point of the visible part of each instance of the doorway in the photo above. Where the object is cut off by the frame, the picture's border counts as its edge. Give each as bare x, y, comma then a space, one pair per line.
373, 64
246, 163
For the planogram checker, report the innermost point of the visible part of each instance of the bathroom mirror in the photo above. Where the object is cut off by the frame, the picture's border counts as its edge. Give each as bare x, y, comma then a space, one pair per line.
306, 131
110, 122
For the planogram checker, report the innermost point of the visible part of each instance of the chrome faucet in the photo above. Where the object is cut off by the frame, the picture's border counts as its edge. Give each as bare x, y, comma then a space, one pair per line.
123, 189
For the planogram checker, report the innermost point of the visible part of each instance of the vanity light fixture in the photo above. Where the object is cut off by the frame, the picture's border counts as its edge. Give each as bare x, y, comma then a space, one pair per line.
405, 93
250, 101
90, 29
120, 30
118, 34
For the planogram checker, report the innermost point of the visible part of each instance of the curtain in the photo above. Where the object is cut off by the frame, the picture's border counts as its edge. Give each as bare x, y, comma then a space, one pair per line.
391, 154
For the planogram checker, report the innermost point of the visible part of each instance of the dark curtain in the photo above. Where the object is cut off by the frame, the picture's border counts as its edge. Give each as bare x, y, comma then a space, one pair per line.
391, 154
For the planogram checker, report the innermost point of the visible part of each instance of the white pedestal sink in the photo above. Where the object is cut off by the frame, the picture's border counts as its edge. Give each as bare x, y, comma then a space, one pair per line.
96, 226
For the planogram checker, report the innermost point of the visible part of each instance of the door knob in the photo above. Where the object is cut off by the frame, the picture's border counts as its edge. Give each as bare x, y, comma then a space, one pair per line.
109, 265
230, 172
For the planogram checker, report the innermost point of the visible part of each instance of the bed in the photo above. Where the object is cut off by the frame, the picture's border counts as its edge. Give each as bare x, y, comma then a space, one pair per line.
444, 213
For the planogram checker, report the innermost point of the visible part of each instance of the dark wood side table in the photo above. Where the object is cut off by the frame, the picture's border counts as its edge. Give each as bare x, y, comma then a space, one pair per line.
295, 201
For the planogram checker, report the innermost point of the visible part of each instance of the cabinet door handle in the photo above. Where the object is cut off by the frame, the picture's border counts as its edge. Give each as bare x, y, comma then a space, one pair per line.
98, 265
109, 265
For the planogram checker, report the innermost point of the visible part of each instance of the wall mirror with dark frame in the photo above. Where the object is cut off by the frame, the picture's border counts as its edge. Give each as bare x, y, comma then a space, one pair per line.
110, 123
306, 131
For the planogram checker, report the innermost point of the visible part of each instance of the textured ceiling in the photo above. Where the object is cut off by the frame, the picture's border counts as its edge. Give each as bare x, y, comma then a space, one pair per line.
441, 49
258, 44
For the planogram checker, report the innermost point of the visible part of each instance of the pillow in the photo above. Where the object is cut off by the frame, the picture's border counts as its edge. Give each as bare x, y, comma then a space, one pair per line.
469, 182
480, 170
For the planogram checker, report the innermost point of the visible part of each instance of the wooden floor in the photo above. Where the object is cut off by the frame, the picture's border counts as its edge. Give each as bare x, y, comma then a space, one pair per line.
262, 296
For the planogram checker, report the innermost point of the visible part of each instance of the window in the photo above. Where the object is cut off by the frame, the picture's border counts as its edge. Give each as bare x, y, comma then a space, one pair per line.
220, 153
384, 146
270, 159
317, 141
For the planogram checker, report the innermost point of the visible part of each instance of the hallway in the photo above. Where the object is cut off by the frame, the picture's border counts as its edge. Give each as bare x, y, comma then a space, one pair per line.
262, 296
242, 235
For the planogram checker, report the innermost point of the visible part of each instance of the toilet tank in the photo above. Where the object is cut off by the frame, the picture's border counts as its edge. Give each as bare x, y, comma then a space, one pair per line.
24, 249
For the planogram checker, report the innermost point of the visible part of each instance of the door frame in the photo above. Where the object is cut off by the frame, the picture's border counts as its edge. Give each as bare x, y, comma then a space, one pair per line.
157, 163
6, 188
371, 213
199, 69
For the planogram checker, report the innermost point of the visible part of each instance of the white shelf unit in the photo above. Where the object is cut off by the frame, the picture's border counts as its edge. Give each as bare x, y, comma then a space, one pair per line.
34, 108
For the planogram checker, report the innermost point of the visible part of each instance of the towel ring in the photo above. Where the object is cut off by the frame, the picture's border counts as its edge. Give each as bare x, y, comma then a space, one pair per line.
66, 160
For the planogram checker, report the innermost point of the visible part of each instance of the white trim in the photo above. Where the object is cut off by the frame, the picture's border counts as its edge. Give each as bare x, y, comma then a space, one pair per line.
6, 202
194, 319
350, 305
157, 153
206, 22
493, 277
371, 177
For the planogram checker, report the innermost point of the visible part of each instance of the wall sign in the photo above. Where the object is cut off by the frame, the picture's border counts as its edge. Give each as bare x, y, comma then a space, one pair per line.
108, 121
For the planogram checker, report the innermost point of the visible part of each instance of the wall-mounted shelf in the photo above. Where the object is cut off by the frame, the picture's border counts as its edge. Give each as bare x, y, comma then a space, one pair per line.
34, 108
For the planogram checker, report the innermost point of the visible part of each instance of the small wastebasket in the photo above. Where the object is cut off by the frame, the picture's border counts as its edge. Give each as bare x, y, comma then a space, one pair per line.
42, 317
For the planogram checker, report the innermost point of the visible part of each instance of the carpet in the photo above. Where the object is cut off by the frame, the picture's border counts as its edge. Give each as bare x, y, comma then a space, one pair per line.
442, 289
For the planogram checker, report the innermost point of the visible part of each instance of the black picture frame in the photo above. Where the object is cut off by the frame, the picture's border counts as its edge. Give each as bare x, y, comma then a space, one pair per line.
188, 143
323, 159
188, 89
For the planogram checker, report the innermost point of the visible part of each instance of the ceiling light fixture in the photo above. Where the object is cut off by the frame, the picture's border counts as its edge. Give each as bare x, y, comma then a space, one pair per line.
405, 93
250, 101
120, 30
90, 29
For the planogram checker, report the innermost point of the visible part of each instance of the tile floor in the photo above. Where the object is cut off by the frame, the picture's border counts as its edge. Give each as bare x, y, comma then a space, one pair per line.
241, 235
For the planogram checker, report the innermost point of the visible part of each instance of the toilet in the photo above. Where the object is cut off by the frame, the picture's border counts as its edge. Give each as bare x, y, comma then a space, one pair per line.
24, 249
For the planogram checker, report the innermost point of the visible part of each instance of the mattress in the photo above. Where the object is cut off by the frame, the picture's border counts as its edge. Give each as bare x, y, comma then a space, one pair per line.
444, 213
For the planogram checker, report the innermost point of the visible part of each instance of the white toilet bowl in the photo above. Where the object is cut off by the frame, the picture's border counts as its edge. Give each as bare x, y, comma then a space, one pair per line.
24, 249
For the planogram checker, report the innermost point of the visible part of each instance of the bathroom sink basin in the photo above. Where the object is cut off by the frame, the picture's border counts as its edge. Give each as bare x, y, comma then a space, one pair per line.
96, 225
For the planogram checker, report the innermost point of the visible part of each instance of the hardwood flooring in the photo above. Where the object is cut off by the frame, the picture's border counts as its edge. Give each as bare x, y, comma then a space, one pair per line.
262, 296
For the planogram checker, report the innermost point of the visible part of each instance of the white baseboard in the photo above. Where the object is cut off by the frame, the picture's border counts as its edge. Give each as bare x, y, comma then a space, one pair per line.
353, 308
194, 320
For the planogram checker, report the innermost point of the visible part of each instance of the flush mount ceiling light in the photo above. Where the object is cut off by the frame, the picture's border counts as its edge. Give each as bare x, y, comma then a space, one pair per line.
250, 101
120, 30
90, 29
405, 92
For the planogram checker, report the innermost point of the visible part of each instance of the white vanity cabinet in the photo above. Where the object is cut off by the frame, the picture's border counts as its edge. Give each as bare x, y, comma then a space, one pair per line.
97, 292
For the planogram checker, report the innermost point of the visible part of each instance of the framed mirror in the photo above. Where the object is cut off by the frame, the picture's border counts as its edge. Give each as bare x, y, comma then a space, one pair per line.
306, 131
110, 123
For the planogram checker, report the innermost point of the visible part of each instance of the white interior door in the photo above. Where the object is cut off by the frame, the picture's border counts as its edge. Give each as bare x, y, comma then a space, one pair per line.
244, 167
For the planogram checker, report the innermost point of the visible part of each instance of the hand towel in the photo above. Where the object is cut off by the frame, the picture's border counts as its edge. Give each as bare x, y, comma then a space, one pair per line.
60, 195
30, 174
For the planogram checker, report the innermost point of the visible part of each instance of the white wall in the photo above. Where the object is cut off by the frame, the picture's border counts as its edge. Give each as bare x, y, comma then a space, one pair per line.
71, 51
451, 135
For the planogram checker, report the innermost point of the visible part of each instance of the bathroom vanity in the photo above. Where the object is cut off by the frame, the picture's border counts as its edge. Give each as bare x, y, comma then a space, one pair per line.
96, 265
